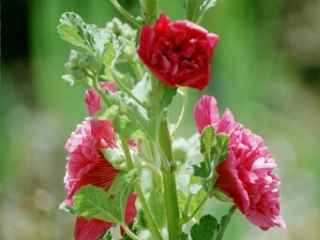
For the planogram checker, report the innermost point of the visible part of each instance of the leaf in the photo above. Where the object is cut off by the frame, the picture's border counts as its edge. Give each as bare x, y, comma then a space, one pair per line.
183, 236
94, 202
167, 96
207, 141
74, 30
71, 29
109, 59
121, 188
202, 171
221, 149
214, 147
115, 157
205, 229
77, 67
161, 95
142, 89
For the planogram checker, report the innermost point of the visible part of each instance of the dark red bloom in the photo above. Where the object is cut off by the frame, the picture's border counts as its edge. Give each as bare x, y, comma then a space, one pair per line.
178, 53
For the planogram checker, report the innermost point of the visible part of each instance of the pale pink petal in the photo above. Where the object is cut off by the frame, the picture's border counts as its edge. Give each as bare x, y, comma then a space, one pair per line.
206, 113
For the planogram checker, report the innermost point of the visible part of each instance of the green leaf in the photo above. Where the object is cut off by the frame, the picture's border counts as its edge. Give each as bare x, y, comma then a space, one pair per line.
72, 29
77, 67
202, 171
205, 229
121, 188
207, 140
121, 29
142, 89
94, 202
86, 36
109, 59
183, 236
116, 157
214, 148
221, 148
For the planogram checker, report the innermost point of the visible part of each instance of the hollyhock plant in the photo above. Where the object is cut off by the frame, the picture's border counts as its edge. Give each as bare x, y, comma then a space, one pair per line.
246, 175
129, 175
86, 165
178, 53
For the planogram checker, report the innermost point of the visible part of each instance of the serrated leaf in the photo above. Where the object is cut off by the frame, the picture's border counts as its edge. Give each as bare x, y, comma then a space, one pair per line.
121, 188
221, 148
71, 29
94, 202
205, 229
207, 141
202, 171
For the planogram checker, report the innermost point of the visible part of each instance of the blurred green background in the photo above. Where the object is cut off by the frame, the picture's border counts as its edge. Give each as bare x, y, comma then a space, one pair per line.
266, 69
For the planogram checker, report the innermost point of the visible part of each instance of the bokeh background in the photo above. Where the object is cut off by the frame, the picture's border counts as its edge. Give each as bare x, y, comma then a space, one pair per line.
266, 69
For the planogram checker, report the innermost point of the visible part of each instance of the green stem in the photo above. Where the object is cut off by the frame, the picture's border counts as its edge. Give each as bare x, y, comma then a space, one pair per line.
125, 13
126, 90
152, 169
224, 223
151, 222
183, 108
203, 201
149, 217
169, 182
97, 87
149, 10
187, 206
129, 232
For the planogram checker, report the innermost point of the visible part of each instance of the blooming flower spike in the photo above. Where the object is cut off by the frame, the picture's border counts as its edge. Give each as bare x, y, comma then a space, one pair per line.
246, 175
178, 53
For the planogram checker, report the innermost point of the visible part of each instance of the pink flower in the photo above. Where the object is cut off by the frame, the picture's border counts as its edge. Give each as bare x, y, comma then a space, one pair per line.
246, 175
86, 165
108, 86
206, 112
178, 53
93, 100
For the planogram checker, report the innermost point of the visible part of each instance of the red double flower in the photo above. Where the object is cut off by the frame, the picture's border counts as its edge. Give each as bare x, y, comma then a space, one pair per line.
246, 175
86, 165
178, 53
